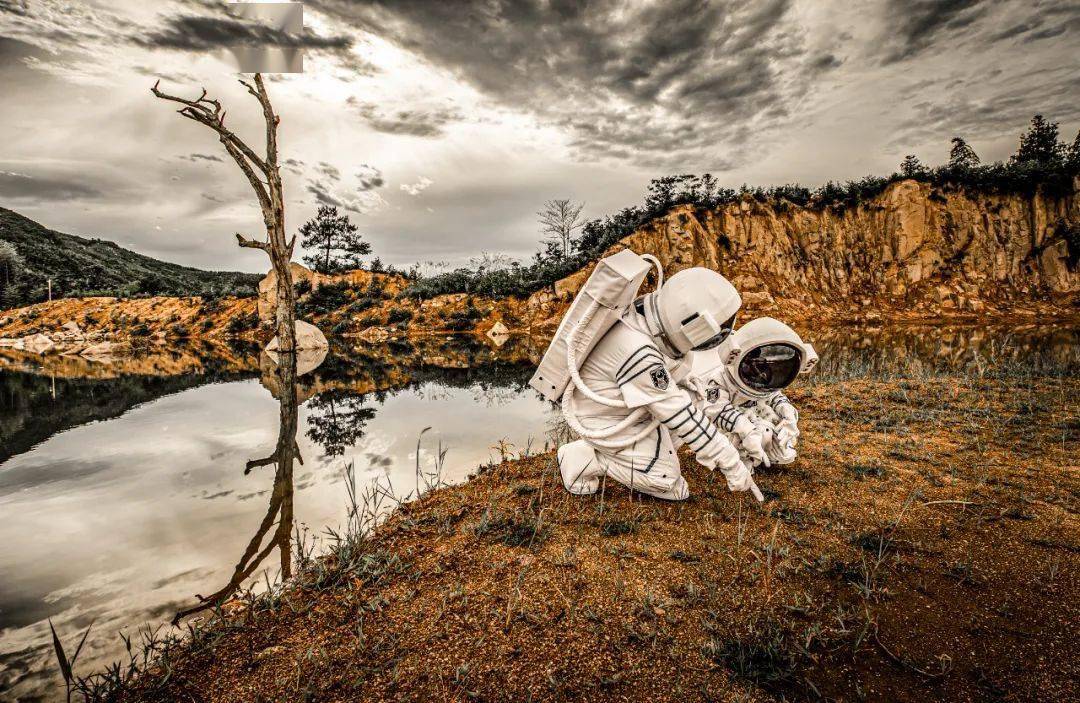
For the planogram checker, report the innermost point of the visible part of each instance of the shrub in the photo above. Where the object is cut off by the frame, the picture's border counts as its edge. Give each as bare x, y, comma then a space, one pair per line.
140, 330
323, 300
399, 315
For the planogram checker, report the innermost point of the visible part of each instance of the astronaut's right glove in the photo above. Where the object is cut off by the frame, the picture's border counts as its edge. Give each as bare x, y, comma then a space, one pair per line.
735, 471
739, 478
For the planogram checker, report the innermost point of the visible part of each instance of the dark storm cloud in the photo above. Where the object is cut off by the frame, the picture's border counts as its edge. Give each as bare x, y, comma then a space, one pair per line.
657, 82
916, 25
413, 122
20, 186
1042, 22
15, 7
369, 177
205, 33
1051, 93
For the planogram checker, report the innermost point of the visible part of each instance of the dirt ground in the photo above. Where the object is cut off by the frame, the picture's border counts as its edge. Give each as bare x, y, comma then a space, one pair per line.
924, 547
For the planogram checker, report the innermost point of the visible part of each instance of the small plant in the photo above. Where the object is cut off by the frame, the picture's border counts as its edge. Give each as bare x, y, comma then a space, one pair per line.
618, 528
67, 666
518, 530
766, 655
399, 315
863, 470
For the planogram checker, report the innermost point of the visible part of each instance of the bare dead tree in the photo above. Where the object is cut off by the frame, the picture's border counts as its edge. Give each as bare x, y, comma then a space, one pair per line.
559, 219
263, 174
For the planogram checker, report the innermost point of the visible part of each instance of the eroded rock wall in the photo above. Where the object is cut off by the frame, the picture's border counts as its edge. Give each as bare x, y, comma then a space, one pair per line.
914, 249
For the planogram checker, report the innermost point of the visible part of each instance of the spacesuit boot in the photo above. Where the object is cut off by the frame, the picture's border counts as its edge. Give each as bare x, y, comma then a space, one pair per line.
580, 468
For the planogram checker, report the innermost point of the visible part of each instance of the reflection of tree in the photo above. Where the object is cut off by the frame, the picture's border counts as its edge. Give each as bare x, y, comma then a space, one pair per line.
338, 420
278, 521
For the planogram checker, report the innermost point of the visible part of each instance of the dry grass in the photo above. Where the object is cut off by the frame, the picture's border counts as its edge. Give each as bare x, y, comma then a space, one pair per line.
924, 547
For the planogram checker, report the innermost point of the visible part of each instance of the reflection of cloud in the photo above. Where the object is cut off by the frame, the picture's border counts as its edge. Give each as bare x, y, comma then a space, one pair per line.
95, 585
417, 188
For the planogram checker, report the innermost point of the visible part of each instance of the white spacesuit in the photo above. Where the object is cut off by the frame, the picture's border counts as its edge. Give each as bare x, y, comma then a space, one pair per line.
629, 410
739, 386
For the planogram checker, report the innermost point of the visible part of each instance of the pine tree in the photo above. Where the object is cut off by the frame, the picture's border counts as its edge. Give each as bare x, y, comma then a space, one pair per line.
334, 241
10, 265
911, 167
1040, 143
962, 155
1072, 156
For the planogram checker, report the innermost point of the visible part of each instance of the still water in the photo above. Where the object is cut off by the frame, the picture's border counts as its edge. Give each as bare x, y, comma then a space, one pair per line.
125, 492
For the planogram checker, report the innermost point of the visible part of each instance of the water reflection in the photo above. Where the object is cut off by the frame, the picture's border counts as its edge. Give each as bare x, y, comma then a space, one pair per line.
127, 493
278, 520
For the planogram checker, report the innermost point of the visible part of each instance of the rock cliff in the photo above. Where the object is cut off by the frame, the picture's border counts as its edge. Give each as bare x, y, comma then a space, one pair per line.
915, 250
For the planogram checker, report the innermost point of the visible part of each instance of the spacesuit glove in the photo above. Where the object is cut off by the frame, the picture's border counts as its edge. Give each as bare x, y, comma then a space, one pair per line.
787, 435
739, 477
789, 417
753, 445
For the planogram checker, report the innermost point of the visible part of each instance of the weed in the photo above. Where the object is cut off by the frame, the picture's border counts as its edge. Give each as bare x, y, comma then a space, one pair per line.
863, 470
517, 530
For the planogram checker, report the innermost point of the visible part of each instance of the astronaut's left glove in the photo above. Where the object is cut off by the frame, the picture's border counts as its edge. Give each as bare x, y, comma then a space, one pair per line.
788, 426
753, 443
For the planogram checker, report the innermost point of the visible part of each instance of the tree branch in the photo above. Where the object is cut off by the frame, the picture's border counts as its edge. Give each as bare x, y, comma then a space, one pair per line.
209, 112
251, 243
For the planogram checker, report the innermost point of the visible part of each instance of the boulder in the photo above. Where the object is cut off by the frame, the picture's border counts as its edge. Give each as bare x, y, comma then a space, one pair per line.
498, 329
38, 343
99, 350
308, 336
498, 333
374, 335
267, 303
757, 298
71, 327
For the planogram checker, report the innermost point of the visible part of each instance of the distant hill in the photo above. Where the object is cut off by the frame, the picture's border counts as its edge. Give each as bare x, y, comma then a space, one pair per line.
79, 267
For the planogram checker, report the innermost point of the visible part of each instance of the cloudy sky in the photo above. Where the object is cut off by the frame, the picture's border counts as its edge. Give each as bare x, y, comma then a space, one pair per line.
441, 127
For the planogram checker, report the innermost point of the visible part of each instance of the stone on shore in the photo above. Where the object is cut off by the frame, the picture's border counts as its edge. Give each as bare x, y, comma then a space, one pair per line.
308, 336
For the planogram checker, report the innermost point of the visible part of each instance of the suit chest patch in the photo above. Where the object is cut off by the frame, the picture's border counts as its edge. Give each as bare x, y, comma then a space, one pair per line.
712, 394
660, 378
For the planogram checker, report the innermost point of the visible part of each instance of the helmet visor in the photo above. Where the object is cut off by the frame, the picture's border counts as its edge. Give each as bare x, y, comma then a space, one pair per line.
718, 338
770, 367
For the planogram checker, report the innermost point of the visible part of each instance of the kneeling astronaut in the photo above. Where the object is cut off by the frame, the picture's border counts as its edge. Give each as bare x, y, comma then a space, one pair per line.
623, 396
740, 387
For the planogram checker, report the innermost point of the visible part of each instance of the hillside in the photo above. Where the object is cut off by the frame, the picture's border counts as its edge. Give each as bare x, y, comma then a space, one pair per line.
79, 266
915, 251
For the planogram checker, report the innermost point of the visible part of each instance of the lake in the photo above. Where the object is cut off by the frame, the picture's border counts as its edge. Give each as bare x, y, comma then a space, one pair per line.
126, 489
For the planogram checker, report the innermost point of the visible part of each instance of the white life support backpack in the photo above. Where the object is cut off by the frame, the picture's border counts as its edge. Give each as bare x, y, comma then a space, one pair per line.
606, 295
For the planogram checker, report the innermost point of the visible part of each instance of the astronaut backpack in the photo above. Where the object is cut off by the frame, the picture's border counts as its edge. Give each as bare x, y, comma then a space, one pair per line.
609, 291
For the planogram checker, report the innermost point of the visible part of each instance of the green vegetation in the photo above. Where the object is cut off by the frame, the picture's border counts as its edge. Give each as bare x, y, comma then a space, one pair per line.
80, 267
1042, 162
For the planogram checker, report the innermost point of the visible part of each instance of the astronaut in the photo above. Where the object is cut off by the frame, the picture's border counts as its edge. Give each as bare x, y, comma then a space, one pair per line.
739, 386
630, 409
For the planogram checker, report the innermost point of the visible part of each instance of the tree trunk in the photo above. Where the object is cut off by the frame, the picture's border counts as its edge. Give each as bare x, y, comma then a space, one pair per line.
265, 178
